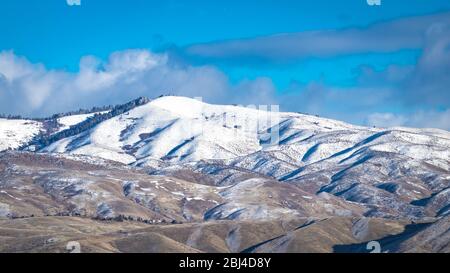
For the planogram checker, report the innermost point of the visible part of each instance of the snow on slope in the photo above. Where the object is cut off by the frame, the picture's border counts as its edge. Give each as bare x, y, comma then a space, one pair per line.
68, 121
391, 171
14, 133
179, 129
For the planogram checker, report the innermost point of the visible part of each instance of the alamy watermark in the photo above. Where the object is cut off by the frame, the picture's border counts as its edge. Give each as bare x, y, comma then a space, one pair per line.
73, 2
260, 122
374, 2
78, 2
73, 247
375, 247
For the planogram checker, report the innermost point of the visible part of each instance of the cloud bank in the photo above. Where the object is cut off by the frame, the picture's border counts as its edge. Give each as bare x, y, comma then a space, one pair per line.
414, 95
406, 33
32, 90
421, 92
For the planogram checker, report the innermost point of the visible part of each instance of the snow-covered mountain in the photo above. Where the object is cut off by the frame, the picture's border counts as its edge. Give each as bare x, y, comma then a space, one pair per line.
19, 133
177, 129
15, 133
179, 159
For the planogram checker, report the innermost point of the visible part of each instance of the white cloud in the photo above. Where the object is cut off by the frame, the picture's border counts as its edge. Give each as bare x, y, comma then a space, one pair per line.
13, 67
390, 36
122, 66
386, 120
32, 90
73, 2
411, 88
430, 119
421, 119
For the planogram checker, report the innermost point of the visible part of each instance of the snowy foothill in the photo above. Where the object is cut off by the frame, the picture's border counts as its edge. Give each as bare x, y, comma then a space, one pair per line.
16, 132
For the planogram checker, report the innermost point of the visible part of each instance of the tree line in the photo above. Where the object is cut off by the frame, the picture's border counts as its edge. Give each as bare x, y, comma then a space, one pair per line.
45, 140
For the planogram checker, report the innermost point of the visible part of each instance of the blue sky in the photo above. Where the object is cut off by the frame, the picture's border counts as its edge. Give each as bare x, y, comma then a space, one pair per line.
341, 59
58, 35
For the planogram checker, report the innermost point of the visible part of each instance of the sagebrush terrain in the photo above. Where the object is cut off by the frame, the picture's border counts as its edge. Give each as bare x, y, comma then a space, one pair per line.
177, 175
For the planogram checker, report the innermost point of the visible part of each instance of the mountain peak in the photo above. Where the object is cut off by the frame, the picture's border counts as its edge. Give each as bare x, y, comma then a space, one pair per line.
225, 145
183, 106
